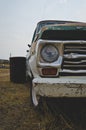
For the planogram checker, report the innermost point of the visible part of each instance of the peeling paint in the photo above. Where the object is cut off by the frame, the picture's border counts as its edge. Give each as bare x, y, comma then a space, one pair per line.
58, 89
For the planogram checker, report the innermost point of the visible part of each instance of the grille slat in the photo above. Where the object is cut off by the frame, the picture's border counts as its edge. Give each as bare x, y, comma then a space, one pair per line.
82, 62
75, 67
75, 47
74, 58
79, 51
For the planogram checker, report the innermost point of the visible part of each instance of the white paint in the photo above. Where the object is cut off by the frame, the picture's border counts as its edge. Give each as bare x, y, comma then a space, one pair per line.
60, 87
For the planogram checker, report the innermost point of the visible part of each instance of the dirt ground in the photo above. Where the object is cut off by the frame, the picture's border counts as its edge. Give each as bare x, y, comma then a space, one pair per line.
17, 113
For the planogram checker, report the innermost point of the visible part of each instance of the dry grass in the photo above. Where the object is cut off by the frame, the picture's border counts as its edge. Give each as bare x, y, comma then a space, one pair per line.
4, 75
16, 112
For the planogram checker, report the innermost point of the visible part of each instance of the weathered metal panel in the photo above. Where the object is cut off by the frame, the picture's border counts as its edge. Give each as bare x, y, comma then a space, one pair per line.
60, 87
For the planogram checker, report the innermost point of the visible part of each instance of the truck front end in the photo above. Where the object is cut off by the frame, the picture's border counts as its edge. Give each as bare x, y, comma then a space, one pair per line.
58, 61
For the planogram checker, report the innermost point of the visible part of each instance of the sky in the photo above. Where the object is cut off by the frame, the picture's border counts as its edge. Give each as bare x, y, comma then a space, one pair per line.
18, 19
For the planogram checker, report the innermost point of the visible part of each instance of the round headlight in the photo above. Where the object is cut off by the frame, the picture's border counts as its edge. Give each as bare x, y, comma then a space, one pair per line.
49, 53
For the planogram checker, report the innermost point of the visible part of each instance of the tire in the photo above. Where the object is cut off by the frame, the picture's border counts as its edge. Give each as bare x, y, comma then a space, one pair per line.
18, 69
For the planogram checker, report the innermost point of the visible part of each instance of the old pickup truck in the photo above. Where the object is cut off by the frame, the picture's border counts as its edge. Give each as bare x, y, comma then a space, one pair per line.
56, 61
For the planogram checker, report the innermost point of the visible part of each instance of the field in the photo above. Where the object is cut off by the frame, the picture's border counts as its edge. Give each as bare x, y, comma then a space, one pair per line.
17, 113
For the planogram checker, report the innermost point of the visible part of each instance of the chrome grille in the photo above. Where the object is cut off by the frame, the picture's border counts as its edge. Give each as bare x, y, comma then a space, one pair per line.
74, 59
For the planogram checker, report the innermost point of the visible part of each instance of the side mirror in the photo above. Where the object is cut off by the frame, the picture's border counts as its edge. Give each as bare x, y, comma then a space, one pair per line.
29, 45
27, 51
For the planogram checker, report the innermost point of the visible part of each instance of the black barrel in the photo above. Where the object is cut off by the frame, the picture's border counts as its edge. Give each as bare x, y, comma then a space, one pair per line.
18, 69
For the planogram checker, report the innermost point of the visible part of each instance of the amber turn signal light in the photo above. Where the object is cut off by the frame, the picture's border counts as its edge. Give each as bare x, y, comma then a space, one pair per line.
49, 71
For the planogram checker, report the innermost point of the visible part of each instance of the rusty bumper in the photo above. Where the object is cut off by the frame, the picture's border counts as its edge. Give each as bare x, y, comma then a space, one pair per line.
60, 87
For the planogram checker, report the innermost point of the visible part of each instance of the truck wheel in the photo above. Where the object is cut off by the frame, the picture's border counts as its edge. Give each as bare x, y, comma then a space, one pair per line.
18, 69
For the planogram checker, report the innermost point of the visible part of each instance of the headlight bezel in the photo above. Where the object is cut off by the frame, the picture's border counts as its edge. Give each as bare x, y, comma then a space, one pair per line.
54, 53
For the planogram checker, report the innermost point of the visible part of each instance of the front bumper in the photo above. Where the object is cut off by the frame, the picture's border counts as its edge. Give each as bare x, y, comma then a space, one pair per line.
60, 87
